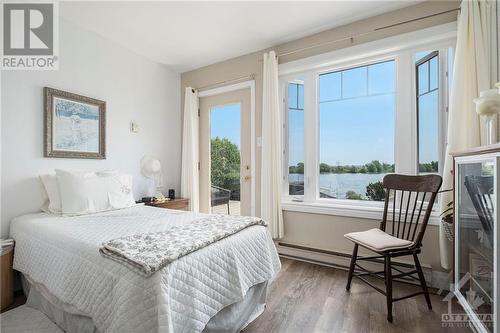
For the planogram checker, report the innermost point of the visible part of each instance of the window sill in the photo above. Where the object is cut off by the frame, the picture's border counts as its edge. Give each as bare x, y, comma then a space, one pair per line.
348, 210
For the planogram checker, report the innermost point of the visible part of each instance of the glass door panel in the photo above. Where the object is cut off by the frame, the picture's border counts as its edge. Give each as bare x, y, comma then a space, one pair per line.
476, 200
225, 159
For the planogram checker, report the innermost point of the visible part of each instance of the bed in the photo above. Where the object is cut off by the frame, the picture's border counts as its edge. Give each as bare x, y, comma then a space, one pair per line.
221, 287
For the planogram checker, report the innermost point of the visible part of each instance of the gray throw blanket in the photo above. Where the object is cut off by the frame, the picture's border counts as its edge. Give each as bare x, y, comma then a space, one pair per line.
150, 252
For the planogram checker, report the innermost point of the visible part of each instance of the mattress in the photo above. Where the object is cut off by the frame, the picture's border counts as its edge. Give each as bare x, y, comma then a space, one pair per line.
61, 254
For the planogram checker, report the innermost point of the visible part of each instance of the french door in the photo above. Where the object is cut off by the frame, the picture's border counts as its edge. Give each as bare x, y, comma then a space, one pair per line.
225, 153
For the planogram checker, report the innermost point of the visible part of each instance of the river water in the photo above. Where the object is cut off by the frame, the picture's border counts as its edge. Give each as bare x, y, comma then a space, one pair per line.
337, 184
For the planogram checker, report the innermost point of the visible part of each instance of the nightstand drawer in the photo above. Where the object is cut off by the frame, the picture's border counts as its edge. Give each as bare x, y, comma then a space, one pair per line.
6, 279
178, 203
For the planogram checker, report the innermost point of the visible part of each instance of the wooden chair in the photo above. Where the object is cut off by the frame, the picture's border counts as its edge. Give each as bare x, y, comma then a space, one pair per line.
412, 200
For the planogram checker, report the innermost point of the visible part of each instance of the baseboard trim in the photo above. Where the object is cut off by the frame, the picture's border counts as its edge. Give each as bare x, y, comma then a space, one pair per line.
341, 260
342, 254
312, 261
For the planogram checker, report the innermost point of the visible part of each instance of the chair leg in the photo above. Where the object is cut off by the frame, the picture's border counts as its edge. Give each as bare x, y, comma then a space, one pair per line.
422, 281
228, 212
351, 267
388, 285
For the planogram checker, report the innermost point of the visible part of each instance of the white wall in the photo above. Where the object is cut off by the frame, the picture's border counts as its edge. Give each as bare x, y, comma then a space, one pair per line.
134, 88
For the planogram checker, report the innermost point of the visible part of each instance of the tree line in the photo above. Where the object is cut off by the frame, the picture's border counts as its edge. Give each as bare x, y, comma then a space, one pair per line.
428, 167
371, 167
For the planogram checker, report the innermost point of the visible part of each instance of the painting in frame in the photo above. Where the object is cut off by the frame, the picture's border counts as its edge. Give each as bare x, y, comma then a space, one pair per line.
74, 125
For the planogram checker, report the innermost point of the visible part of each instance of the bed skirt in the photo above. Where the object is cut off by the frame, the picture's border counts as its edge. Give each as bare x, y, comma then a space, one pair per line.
231, 319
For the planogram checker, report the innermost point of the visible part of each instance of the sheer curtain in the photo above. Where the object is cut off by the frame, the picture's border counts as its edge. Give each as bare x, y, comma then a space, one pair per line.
189, 170
271, 174
471, 74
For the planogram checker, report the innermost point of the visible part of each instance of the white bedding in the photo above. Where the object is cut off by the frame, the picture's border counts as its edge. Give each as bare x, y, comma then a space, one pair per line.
62, 254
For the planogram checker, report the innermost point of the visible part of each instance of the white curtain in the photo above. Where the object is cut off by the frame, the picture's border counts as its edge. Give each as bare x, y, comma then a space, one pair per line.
471, 74
189, 170
271, 174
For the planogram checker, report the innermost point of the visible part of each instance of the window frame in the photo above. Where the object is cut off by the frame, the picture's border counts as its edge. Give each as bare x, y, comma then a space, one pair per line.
284, 94
406, 116
441, 129
365, 62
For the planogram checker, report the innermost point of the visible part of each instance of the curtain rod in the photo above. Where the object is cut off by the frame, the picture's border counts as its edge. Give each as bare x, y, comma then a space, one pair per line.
213, 85
252, 76
351, 38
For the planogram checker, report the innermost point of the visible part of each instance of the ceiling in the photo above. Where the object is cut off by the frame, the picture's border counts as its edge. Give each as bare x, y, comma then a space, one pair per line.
189, 35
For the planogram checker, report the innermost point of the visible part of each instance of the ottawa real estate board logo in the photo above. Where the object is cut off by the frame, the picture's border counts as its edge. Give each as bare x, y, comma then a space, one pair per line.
30, 36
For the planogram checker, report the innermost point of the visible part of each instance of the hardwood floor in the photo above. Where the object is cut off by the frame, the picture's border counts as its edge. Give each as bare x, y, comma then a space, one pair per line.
308, 298
312, 298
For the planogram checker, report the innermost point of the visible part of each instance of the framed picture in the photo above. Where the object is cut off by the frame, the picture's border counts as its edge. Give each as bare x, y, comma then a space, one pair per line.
74, 125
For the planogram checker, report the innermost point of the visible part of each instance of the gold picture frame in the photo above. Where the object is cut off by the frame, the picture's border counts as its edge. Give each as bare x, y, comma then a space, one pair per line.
74, 125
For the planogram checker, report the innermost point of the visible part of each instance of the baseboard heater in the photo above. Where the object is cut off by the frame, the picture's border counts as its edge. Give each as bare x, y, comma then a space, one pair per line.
339, 254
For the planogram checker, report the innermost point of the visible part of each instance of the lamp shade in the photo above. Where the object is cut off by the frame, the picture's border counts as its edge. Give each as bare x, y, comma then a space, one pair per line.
150, 166
488, 102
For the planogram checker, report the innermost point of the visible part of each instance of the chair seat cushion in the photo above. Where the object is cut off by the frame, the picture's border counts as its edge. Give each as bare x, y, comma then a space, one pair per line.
377, 240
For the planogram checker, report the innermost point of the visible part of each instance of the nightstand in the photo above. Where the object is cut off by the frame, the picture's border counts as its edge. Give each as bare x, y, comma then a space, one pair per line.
177, 203
6, 277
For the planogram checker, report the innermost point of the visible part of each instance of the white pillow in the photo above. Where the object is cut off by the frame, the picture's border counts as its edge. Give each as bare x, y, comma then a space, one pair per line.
52, 190
89, 192
120, 193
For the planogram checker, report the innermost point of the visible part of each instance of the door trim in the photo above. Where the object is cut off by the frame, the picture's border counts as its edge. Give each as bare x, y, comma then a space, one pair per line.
238, 86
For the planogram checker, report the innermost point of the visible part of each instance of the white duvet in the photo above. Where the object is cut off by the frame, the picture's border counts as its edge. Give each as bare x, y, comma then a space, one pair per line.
62, 254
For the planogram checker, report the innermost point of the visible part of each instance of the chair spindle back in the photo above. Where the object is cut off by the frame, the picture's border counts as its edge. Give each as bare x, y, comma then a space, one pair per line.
412, 200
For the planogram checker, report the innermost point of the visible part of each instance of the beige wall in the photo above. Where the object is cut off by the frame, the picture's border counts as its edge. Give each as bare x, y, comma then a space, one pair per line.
324, 231
327, 232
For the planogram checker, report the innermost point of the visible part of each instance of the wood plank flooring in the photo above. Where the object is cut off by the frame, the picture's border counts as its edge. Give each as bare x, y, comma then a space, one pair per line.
312, 298
308, 298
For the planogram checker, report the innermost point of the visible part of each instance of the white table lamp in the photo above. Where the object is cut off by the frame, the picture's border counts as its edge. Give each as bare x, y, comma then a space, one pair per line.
488, 105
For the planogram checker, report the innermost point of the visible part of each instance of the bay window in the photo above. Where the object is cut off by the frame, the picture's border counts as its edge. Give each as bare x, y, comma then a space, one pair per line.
348, 124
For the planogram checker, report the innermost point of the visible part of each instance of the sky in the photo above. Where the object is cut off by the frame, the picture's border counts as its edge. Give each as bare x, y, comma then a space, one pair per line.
428, 111
357, 118
225, 122
428, 127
